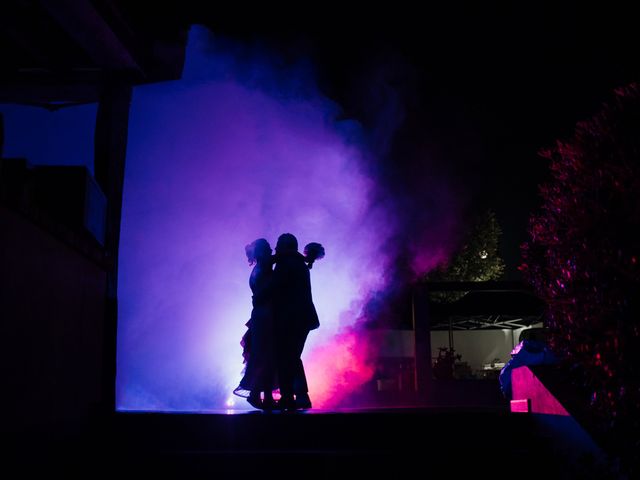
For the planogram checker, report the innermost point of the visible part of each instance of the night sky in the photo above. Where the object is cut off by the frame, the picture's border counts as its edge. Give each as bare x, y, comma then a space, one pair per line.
478, 88
474, 90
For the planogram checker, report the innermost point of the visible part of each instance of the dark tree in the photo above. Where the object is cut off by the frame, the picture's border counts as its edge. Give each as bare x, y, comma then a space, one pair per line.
582, 259
477, 260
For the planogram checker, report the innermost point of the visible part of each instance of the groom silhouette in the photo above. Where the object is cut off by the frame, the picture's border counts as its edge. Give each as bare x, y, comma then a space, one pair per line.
294, 317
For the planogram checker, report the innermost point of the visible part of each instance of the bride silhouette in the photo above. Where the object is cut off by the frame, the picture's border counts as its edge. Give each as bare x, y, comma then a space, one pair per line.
259, 378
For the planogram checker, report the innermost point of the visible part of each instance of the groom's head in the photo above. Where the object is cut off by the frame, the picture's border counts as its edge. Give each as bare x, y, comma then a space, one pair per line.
287, 243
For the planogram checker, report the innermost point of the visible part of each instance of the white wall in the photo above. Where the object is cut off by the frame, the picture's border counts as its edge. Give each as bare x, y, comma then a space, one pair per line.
478, 347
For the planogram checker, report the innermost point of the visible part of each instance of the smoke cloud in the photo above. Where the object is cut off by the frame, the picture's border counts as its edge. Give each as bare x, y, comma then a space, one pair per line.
238, 150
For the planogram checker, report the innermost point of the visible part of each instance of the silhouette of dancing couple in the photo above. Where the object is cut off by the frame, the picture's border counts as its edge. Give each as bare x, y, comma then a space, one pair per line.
282, 316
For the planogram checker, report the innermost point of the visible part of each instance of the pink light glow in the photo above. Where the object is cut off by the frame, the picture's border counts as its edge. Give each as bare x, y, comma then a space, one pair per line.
526, 386
337, 365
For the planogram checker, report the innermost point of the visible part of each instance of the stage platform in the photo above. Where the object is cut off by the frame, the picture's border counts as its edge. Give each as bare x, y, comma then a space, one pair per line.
344, 443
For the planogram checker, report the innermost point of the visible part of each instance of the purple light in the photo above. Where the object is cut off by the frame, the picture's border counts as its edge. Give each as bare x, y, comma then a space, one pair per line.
215, 162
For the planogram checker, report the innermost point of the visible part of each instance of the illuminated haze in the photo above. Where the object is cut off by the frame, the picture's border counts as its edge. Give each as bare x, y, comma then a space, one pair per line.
235, 151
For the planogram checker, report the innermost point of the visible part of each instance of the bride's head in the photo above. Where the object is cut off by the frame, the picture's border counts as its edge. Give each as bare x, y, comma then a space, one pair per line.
258, 251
